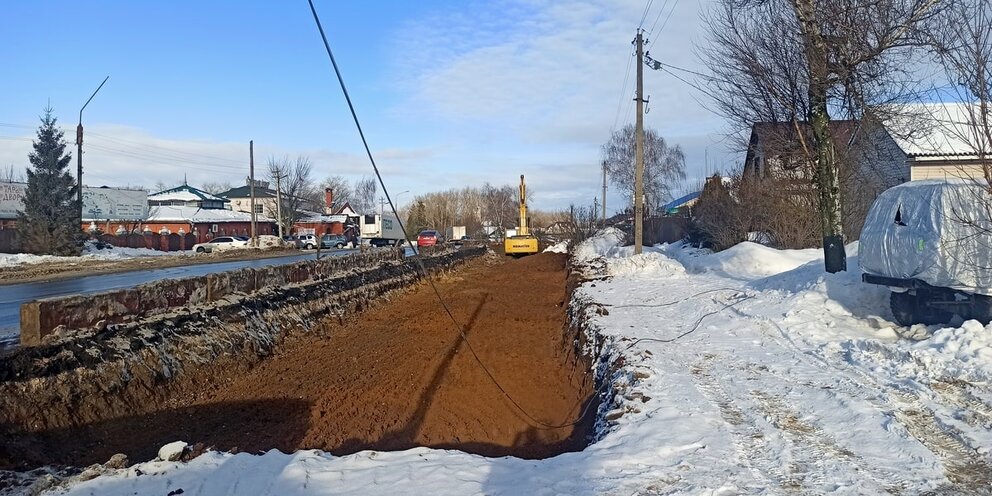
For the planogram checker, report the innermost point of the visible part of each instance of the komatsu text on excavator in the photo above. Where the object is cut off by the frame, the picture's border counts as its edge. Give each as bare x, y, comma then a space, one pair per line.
523, 243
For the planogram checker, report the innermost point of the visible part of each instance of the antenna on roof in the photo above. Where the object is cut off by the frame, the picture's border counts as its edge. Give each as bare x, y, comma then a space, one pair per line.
184, 180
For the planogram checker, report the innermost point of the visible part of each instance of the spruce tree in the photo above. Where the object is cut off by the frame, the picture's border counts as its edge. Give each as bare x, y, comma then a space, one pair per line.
50, 221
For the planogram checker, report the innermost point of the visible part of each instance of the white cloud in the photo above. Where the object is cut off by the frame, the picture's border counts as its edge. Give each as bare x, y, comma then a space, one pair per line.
533, 80
120, 155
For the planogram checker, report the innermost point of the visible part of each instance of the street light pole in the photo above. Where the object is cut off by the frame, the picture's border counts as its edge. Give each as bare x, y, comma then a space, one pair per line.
79, 153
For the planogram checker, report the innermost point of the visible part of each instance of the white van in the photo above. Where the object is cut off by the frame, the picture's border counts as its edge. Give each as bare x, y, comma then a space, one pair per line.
930, 242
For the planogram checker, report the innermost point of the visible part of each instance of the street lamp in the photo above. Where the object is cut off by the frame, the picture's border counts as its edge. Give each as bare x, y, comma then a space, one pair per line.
79, 152
382, 201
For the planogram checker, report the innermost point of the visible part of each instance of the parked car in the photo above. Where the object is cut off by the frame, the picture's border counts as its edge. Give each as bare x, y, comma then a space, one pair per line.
429, 237
328, 241
307, 241
929, 243
221, 243
292, 241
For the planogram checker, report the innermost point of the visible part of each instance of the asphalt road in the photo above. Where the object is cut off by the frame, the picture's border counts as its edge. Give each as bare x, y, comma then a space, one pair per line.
12, 296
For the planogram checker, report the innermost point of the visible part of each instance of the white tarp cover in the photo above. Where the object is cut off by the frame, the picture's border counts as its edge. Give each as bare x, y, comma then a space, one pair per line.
937, 231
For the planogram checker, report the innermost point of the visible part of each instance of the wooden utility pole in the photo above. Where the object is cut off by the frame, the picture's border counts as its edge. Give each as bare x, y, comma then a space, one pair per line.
279, 203
604, 193
251, 187
639, 152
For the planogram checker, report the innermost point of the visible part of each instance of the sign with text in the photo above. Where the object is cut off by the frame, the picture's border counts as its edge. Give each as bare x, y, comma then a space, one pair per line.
98, 203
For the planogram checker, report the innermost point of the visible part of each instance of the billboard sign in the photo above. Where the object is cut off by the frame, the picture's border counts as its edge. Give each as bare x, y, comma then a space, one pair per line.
98, 203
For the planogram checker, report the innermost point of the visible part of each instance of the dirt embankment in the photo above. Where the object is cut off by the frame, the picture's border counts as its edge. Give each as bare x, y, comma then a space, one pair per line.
60, 270
395, 376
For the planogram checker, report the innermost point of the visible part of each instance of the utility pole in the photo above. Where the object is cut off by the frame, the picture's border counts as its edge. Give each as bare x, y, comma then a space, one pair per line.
604, 193
251, 187
79, 153
639, 152
279, 203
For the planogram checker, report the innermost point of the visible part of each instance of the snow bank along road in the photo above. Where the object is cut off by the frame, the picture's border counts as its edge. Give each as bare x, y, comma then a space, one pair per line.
785, 381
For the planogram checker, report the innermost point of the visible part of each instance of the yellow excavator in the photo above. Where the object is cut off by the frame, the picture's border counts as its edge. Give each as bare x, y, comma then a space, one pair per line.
523, 243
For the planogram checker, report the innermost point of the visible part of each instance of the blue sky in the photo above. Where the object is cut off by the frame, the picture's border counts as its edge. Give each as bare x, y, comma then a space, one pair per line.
451, 93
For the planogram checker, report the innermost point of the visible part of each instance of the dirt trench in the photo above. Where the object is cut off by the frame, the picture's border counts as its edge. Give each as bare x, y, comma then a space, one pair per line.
396, 376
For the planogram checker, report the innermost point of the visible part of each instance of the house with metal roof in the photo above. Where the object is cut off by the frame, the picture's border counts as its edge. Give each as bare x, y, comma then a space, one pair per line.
941, 141
186, 196
189, 211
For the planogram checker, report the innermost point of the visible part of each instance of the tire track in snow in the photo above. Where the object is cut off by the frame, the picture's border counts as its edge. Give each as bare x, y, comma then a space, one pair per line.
753, 450
976, 412
814, 453
825, 448
964, 467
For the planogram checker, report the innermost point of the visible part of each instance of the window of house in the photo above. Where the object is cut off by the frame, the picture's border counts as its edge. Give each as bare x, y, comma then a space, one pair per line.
213, 228
258, 209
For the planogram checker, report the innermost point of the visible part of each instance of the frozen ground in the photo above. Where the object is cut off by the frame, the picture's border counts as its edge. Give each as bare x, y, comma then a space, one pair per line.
744, 372
89, 253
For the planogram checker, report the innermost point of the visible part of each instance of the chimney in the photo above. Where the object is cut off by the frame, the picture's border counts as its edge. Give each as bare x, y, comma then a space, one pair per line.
328, 201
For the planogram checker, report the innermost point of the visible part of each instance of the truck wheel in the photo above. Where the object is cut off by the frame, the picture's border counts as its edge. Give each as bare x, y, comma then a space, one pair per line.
904, 307
909, 309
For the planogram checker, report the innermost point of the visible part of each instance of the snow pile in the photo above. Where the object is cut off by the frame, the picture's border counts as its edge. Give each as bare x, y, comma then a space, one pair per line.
647, 263
561, 247
748, 371
746, 260
606, 243
90, 252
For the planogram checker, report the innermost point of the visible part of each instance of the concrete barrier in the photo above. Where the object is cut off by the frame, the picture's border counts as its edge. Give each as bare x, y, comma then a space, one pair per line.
42, 317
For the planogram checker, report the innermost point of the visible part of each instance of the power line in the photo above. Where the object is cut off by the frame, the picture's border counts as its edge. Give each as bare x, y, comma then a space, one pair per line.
170, 150
623, 91
670, 12
660, 12
644, 16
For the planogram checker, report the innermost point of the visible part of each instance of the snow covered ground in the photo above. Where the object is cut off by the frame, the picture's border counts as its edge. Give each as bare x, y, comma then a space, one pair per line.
749, 371
89, 253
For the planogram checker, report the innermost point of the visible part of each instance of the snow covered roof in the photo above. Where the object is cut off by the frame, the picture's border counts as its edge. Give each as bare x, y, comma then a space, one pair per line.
167, 213
947, 131
317, 218
184, 193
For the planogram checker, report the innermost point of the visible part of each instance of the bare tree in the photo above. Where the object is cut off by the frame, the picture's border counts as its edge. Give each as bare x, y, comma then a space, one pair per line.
160, 185
798, 60
964, 44
12, 175
339, 187
664, 165
364, 195
214, 187
499, 205
295, 185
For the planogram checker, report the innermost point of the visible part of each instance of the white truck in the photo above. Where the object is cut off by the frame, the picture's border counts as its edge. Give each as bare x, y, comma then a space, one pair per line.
930, 242
381, 230
454, 233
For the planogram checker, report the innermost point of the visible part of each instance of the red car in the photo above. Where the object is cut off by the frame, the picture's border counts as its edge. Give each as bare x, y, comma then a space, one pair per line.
428, 237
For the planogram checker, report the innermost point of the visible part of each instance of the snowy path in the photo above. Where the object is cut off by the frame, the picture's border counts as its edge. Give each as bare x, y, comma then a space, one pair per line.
785, 381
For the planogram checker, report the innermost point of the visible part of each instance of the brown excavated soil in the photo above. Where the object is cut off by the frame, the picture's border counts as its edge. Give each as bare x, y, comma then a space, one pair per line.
396, 376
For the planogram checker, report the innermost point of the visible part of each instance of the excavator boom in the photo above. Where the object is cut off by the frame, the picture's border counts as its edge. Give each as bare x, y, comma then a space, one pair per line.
523, 243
